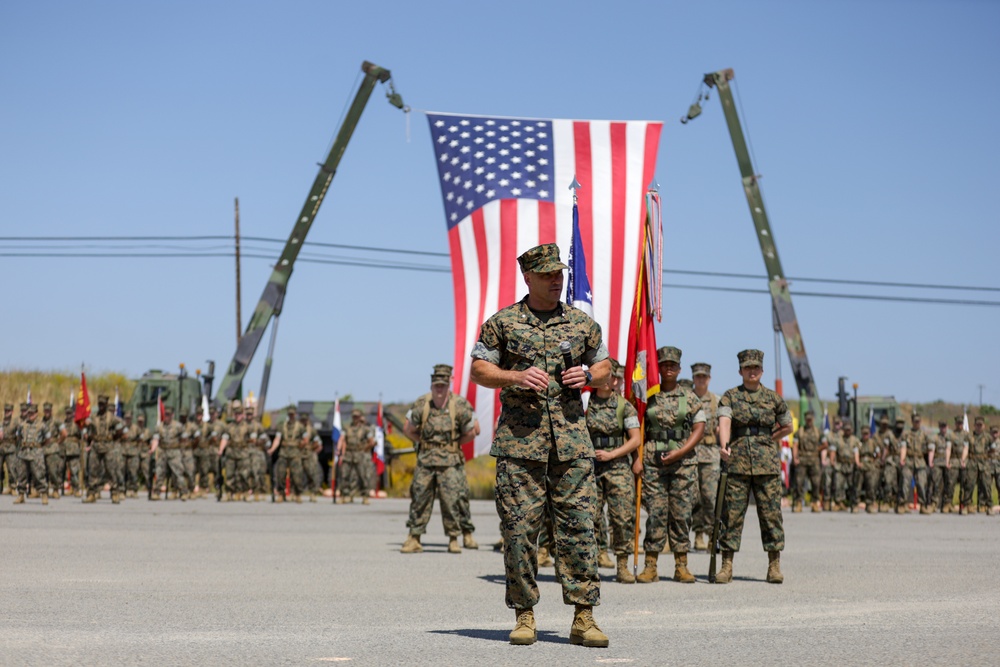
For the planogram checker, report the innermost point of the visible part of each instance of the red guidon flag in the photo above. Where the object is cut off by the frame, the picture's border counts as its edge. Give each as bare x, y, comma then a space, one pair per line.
82, 401
642, 374
505, 185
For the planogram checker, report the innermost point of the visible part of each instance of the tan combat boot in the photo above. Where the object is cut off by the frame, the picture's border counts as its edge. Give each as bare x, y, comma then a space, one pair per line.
947, 509
55, 494
45, 499
681, 572
77, 494
725, 574
624, 575
883, 507
278, 498
964, 511
816, 507
926, 509
524, 632
544, 559
91, 498
797, 506
699, 542
585, 631
115, 498
155, 495
19, 500
298, 499
648, 574
411, 545
33, 493
453, 547
774, 575
312, 497
366, 501
604, 561
468, 542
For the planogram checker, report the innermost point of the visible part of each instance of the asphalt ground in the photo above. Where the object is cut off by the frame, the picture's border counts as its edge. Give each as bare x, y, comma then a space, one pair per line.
206, 583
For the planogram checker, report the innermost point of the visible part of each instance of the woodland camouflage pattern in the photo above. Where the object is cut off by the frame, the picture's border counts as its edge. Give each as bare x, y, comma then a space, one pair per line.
614, 479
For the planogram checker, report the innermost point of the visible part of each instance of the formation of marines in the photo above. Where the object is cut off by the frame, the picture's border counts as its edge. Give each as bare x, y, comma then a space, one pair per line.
183, 457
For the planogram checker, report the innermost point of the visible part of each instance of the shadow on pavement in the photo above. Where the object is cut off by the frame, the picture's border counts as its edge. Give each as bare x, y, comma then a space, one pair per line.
498, 635
502, 578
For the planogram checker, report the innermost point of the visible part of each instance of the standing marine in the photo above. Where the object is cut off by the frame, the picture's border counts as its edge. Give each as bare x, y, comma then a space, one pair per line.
102, 432
355, 450
32, 438
707, 453
752, 422
8, 449
438, 423
807, 448
914, 447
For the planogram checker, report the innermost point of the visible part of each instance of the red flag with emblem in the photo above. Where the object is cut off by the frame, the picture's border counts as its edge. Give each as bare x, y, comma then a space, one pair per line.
82, 401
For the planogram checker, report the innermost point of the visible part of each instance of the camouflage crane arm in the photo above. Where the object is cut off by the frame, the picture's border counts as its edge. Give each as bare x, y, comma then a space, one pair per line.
781, 298
274, 292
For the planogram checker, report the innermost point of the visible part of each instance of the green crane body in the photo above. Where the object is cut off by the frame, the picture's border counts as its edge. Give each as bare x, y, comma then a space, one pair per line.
274, 292
781, 298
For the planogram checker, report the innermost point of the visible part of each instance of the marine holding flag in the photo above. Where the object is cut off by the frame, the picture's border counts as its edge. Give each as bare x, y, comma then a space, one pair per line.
545, 457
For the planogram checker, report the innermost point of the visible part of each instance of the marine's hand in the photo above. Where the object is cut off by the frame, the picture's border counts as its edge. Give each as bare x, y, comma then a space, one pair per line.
795, 460
603, 455
574, 378
724, 452
533, 378
637, 466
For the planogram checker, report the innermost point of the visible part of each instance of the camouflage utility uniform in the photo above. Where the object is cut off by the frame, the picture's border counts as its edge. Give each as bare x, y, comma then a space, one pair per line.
545, 458
938, 445
8, 450
311, 446
868, 454
892, 483
238, 459
978, 470
33, 437
102, 465
358, 468
754, 465
440, 467
915, 470
669, 491
809, 442
55, 461
171, 437
289, 463
71, 450
956, 474
707, 457
844, 489
614, 478
135, 440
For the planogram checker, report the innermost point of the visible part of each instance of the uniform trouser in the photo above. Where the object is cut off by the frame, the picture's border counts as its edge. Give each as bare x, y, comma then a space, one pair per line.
601, 528
8, 458
311, 471
669, 499
892, 480
73, 466
524, 491
356, 474
808, 470
843, 483
204, 465
187, 459
102, 465
616, 488
911, 473
55, 467
826, 481
237, 471
869, 484
144, 465
291, 467
708, 488
32, 467
767, 492
954, 476
935, 486
258, 469
172, 460
130, 469
464, 509
445, 482
977, 475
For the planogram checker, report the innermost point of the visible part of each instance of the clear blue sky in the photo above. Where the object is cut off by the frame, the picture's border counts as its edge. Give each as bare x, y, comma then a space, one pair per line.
873, 123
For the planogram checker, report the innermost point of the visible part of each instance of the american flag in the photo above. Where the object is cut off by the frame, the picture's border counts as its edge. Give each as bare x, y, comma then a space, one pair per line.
505, 183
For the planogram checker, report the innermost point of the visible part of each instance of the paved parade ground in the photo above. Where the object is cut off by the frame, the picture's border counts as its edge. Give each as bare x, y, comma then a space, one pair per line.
205, 583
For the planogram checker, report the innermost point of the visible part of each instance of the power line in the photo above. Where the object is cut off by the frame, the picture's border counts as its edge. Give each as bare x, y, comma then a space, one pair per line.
829, 295
427, 253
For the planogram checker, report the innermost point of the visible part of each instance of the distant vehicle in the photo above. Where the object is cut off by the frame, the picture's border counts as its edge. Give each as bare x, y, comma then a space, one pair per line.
178, 391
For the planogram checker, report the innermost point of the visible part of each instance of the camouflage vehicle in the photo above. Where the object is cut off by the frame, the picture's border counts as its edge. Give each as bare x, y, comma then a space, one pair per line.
178, 391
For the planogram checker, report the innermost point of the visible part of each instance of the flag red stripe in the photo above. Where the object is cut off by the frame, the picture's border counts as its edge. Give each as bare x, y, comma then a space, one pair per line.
546, 222
585, 197
648, 172
508, 255
483, 252
619, 195
458, 283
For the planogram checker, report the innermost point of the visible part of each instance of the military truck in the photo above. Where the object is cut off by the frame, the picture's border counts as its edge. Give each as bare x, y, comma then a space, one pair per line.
178, 391
859, 409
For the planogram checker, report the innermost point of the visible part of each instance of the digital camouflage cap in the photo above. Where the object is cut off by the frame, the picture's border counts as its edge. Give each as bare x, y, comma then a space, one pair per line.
668, 353
749, 358
441, 374
617, 370
701, 368
541, 259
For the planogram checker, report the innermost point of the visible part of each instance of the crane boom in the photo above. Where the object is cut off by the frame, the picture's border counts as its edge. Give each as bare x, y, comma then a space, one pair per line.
781, 298
274, 292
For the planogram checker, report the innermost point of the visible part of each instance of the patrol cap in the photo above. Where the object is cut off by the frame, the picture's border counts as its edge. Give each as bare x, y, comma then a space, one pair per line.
68, 410
102, 399
810, 413
356, 412
980, 420
701, 368
959, 419
303, 416
168, 411
884, 419
441, 374
617, 370
915, 416
237, 406
24, 406
127, 415
686, 383
866, 429
7, 407
47, 406
32, 408
668, 353
942, 423
848, 426
290, 408
900, 420
750, 358
541, 259
141, 417
994, 428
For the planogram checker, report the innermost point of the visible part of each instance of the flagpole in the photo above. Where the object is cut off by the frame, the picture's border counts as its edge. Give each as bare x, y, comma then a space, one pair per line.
638, 500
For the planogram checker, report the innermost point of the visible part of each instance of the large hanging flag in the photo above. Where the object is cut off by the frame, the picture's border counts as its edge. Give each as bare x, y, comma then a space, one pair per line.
82, 401
338, 425
504, 181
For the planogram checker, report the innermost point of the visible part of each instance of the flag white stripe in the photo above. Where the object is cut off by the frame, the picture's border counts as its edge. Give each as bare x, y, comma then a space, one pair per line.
600, 259
527, 237
635, 138
564, 150
470, 262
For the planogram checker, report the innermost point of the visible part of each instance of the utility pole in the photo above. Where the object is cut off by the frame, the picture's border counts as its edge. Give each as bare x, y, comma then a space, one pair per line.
239, 314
